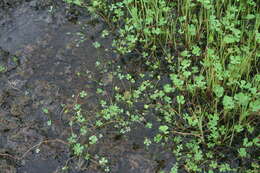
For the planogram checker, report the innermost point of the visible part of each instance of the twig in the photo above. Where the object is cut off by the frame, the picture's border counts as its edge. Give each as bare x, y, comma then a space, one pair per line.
8, 155
39, 144
186, 134
30, 149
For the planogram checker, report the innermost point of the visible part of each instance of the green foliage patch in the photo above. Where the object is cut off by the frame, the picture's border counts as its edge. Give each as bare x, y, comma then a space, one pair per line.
200, 79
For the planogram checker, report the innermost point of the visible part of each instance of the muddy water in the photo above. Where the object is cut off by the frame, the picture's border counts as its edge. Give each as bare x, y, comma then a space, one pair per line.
40, 56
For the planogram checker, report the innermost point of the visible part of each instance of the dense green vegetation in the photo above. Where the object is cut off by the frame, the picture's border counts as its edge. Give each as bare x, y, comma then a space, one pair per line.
197, 73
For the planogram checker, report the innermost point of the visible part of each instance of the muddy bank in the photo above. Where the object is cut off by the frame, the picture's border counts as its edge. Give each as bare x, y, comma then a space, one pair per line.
45, 46
39, 61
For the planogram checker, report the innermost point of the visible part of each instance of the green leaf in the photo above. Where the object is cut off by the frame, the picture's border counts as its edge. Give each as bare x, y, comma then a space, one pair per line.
192, 30
255, 105
180, 100
167, 88
196, 51
2, 68
218, 90
229, 39
78, 149
176, 81
45, 110
157, 138
242, 99
83, 94
49, 123
249, 17
238, 128
93, 139
185, 53
246, 143
174, 169
242, 152
96, 44
228, 102
164, 129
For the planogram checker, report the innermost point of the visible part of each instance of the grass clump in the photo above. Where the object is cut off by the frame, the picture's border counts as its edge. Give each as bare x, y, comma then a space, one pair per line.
199, 78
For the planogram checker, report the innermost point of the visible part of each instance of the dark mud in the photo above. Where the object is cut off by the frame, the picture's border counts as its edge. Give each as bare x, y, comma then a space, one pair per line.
40, 63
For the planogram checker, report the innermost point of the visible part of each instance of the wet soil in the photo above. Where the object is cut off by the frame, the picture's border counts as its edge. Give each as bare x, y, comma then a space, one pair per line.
44, 46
